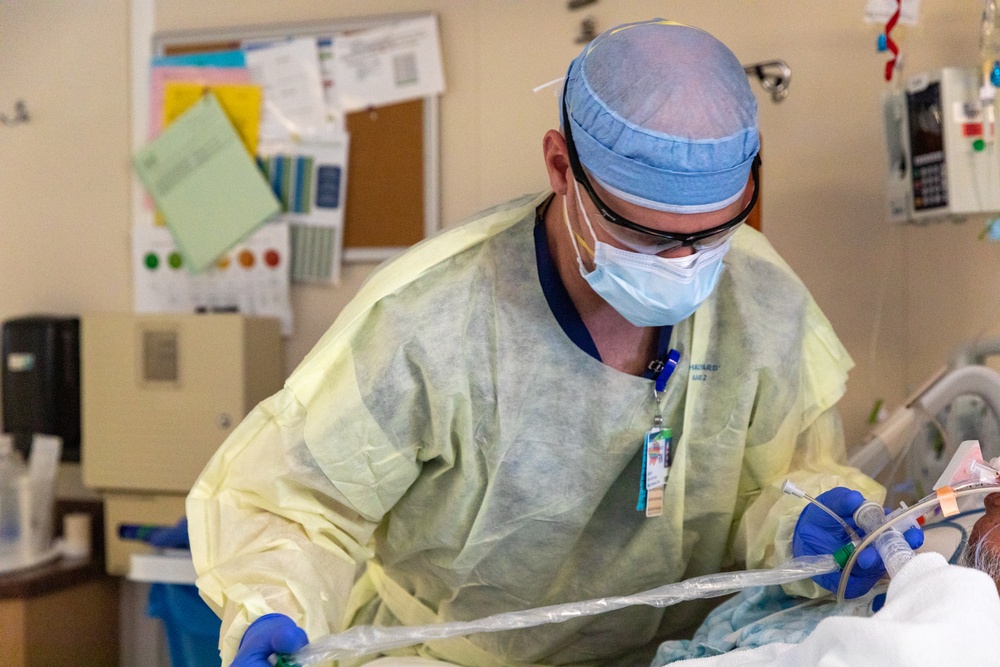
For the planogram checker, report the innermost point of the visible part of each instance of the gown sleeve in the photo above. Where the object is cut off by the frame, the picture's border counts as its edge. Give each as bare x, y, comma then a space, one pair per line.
806, 447
272, 530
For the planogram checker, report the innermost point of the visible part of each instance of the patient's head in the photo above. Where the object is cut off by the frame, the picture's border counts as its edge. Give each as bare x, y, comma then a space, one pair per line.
983, 550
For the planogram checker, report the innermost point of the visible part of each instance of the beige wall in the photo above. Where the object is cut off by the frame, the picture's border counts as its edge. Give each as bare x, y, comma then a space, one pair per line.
64, 178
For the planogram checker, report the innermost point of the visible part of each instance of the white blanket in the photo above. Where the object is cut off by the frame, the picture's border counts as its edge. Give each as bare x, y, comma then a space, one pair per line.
935, 614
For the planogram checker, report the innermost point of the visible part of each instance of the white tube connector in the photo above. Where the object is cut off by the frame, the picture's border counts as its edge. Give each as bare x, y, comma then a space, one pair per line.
790, 488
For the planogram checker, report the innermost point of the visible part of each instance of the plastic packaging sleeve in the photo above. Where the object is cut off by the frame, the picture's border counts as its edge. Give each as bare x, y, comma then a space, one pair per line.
363, 640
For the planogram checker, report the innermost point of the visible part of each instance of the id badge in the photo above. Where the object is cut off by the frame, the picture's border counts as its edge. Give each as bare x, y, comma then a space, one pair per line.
643, 495
657, 451
655, 468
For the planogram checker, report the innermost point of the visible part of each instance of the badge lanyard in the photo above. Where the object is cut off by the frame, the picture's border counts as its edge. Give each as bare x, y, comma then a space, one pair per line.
656, 450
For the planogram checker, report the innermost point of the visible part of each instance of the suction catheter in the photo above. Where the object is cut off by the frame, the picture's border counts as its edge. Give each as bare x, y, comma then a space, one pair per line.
366, 639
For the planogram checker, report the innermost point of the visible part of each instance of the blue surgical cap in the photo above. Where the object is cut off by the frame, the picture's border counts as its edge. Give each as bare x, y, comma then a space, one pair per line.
663, 116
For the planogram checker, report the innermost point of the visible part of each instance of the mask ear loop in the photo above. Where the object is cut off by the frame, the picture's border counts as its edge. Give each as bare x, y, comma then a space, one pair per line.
579, 203
576, 248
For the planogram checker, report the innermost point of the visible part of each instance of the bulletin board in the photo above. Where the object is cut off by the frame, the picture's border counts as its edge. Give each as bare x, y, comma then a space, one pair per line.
393, 166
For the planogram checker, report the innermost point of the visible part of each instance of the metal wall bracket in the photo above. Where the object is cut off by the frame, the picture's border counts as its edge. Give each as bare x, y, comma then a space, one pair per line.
20, 115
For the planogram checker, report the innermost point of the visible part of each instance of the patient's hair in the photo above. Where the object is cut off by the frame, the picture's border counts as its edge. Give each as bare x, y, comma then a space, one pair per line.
983, 555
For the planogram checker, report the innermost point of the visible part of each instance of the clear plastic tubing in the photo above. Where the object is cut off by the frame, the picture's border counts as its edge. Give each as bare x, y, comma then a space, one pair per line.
891, 545
367, 639
790, 488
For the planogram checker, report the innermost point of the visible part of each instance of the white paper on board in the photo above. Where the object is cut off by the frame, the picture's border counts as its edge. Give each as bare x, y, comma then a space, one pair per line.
393, 63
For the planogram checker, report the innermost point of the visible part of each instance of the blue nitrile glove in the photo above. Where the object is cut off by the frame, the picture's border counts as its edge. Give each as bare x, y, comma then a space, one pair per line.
269, 634
175, 537
817, 533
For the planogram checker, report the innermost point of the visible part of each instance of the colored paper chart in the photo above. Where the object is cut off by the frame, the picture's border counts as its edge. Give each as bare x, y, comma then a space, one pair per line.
309, 178
174, 70
161, 76
251, 278
241, 103
207, 187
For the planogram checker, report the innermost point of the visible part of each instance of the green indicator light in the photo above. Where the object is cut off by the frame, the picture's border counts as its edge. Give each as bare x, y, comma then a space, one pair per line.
978, 144
151, 261
175, 260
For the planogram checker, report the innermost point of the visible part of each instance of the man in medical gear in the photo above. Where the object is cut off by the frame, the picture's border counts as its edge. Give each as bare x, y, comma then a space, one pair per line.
468, 437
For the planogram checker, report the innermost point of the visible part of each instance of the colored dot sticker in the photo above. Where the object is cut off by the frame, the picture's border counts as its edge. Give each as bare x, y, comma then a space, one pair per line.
151, 260
175, 260
223, 263
246, 259
272, 258
978, 144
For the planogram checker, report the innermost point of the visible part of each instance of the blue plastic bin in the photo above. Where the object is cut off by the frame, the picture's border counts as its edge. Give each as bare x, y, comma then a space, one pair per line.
192, 627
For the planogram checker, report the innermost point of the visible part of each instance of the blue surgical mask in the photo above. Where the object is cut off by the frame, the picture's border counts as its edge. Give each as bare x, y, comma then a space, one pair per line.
648, 290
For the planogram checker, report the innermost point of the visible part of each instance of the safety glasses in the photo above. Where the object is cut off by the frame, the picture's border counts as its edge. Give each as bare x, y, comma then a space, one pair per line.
655, 240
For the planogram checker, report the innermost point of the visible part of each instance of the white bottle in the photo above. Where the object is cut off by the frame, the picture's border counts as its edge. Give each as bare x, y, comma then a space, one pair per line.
12, 469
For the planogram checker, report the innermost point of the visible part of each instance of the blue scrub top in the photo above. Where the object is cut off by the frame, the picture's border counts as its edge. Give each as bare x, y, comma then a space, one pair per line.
562, 306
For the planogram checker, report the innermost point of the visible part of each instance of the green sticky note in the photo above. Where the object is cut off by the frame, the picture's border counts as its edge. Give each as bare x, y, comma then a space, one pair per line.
205, 184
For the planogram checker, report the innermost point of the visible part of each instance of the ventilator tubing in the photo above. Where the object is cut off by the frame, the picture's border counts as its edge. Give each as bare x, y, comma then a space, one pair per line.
903, 517
891, 545
364, 640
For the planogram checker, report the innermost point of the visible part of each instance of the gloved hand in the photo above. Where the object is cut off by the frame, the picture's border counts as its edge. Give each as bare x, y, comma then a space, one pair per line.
818, 533
269, 634
175, 537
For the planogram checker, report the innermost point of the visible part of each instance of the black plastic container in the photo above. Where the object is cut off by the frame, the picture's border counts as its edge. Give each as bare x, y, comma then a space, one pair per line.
41, 381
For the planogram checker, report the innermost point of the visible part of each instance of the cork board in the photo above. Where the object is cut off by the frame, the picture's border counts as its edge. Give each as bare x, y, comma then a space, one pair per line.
392, 185
385, 187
